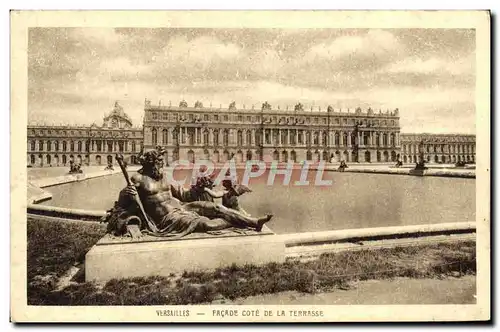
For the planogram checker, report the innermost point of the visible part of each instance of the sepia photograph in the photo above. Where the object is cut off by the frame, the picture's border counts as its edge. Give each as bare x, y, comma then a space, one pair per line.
250, 166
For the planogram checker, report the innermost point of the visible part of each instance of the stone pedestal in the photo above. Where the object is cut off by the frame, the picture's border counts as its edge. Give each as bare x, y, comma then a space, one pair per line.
123, 258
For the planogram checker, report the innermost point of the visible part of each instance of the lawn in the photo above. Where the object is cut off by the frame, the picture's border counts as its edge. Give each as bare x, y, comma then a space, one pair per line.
53, 247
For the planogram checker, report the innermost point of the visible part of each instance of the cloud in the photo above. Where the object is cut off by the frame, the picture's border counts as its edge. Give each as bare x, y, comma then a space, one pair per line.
373, 44
200, 52
461, 66
86, 70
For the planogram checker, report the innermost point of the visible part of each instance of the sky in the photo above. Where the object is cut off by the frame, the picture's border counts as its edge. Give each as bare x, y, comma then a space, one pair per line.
75, 75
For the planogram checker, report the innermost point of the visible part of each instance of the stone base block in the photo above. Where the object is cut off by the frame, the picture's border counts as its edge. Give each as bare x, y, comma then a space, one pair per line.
160, 258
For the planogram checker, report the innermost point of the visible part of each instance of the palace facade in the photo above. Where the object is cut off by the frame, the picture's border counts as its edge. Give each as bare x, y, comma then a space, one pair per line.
266, 133
86, 145
438, 148
217, 134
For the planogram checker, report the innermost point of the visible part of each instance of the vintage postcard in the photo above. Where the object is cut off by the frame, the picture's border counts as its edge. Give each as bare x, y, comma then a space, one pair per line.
250, 166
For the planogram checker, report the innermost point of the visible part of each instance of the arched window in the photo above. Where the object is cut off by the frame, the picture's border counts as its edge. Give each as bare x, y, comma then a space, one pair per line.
40, 146
308, 139
337, 139
32, 159
293, 138
284, 136
133, 146
239, 137
32, 144
384, 139
344, 138
154, 135
249, 137
56, 146
216, 137
164, 136
65, 146
324, 138
393, 140
198, 136
205, 136
225, 137
110, 146
71, 146
79, 144
49, 146
316, 138
365, 139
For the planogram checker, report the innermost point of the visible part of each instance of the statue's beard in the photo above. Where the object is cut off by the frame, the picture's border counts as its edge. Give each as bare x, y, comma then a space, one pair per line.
153, 172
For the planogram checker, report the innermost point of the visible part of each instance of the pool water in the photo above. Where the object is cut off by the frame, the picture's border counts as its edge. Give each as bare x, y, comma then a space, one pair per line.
354, 200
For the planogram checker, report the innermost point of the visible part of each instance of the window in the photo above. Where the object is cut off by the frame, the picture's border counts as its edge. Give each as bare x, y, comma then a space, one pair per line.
164, 136
240, 138
205, 137
120, 146
98, 144
79, 146
71, 146
315, 120
249, 118
293, 138
344, 122
40, 146
216, 117
87, 146
225, 138
155, 116
249, 137
32, 143
337, 121
190, 117
205, 117
165, 116
324, 120
216, 137
240, 118
337, 139
226, 118
65, 146
284, 137
110, 146
133, 146
49, 145
154, 136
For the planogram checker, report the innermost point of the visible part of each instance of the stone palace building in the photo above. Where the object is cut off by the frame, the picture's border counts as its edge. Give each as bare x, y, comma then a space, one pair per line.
86, 145
438, 148
217, 134
263, 133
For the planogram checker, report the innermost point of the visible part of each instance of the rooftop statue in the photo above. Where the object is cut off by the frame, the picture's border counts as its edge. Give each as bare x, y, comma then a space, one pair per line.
146, 206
